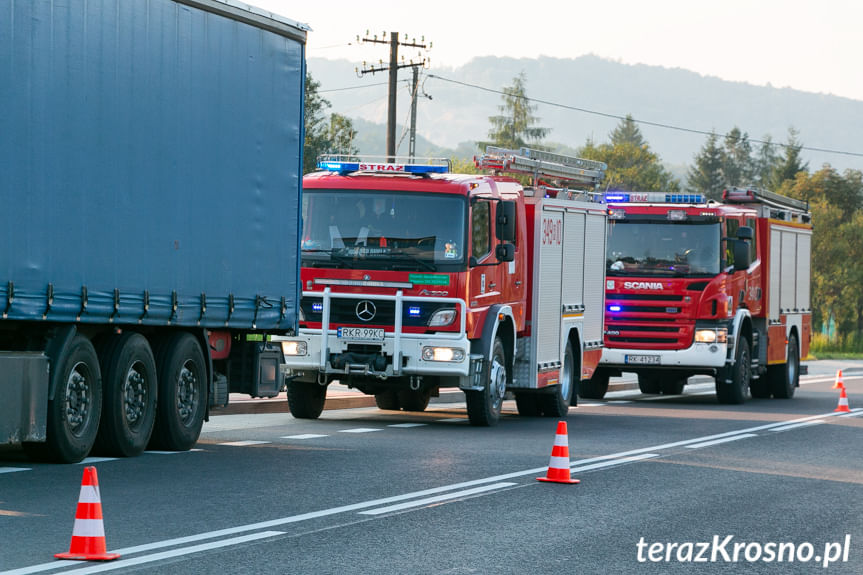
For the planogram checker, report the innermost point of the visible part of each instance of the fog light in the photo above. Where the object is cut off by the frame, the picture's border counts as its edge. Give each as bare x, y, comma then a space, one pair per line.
443, 354
294, 348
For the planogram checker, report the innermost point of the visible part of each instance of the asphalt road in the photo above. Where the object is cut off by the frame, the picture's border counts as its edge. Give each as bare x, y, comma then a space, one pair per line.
668, 485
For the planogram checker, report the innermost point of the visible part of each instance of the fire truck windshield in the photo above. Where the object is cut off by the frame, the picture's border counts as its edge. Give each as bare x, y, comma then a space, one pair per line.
662, 248
383, 230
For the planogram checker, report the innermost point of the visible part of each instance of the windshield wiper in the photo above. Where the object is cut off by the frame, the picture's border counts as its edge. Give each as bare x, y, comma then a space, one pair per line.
341, 259
427, 265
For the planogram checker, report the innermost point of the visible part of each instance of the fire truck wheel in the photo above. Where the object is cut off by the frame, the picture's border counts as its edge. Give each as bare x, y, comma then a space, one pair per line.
483, 407
387, 400
527, 404
557, 404
595, 387
741, 376
411, 400
306, 399
784, 378
649, 383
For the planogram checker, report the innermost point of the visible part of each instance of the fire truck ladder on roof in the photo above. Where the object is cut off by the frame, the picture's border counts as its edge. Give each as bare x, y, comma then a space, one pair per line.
765, 197
540, 164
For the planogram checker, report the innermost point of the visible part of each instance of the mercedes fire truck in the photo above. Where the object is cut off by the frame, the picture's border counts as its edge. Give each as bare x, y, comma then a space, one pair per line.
697, 287
415, 279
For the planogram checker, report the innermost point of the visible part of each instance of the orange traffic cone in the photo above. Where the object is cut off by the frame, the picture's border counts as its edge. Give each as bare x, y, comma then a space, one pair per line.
88, 534
838, 384
558, 465
843, 401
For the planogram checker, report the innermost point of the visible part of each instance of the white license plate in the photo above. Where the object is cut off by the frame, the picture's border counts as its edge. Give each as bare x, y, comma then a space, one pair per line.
365, 333
642, 359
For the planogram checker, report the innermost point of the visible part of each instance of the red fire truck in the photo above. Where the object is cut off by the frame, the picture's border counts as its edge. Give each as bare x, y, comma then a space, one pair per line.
697, 287
415, 279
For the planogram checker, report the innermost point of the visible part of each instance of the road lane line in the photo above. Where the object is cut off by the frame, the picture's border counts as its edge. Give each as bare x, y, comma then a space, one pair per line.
406, 425
14, 469
720, 441
446, 497
244, 443
611, 461
360, 430
797, 425
304, 436
90, 460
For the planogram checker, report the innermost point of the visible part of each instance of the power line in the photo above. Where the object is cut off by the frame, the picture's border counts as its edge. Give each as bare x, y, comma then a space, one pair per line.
643, 122
353, 87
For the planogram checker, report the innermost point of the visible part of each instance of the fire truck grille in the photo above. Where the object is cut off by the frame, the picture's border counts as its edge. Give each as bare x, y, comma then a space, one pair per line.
651, 336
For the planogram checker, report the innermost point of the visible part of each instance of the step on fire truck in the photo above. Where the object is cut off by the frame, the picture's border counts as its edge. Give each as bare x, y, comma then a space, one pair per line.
416, 279
697, 287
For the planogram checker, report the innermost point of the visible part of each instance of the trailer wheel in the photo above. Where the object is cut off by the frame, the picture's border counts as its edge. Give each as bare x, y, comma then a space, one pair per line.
784, 378
557, 404
130, 393
306, 399
483, 407
411, 400
74, 413
649, 383
527, 404
741, 376
182, 393
387, 400
596, 387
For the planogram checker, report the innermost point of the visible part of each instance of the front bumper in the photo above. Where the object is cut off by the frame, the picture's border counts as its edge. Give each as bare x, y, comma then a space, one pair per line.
696, 356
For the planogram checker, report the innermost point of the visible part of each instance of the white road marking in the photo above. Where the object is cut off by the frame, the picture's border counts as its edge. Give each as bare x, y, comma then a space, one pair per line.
796, 425
426, 501
452, 420
360, 430
610, 461
304, 436
580, 404
245, 443
168, 452
720, 441
89, 460
406, 425
13, 469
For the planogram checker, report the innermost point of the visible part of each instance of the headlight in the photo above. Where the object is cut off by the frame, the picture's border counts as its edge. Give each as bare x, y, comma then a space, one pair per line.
711, 335
294, 348
442, 317
443, 354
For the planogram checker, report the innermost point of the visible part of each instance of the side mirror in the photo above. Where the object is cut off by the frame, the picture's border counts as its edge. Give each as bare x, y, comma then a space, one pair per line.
505, 221
505, 252
744, 233
741, 254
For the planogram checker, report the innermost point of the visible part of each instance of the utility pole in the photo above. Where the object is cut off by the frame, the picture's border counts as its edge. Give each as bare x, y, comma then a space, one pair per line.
412, 143
393, 69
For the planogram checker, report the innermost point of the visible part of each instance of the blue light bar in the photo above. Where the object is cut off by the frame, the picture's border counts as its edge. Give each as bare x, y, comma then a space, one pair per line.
317, 306
414, 311
614, 308
381, 167
653, 197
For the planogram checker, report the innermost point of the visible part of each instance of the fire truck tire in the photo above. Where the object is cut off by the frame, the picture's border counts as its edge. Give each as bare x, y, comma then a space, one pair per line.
556, 404
130, 390
649, 383
411, 400
306, 399
741, 376
596, 387
483, 407
75, 411
785, 378
182, 393
387, 400
527, 404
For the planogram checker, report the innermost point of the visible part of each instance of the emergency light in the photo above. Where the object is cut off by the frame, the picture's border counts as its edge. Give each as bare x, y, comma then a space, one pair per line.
652, 197
330, 164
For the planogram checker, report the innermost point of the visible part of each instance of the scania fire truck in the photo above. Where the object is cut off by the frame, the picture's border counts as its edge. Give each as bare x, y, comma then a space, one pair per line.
415, 279
696, 287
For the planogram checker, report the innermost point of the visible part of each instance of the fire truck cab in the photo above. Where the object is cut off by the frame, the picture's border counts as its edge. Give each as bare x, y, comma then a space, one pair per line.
697, 287
415, 279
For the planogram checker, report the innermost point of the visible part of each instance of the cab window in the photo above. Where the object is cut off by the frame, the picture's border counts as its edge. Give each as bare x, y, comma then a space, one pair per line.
480, 224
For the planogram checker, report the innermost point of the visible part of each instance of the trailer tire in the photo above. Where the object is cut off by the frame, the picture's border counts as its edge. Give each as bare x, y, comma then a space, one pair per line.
741, 376
649, 383
182, 393
596, 387
306, 399
75, 411
388, 400
484, 406
527, 404
556, 404
785, 378
130, 392
411, 400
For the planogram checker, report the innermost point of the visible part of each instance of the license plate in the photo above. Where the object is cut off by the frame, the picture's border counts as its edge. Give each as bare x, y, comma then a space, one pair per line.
366, 333
642, 359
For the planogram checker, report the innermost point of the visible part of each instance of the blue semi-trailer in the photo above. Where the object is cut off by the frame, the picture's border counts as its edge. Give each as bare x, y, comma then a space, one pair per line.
150, 182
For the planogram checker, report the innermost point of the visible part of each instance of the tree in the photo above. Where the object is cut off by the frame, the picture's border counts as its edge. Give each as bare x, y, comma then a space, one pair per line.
765, 163
790, 164
705, 176
341, 136
737, 165
324, 135
632, 166
516, 125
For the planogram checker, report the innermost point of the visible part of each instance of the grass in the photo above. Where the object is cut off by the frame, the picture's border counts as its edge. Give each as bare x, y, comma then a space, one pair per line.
843, 346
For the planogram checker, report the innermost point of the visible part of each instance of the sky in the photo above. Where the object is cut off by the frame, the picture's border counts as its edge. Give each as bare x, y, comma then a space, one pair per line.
815, 46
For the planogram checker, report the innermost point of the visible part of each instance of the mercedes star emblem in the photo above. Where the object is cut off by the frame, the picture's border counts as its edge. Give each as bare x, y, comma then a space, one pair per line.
366, 310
